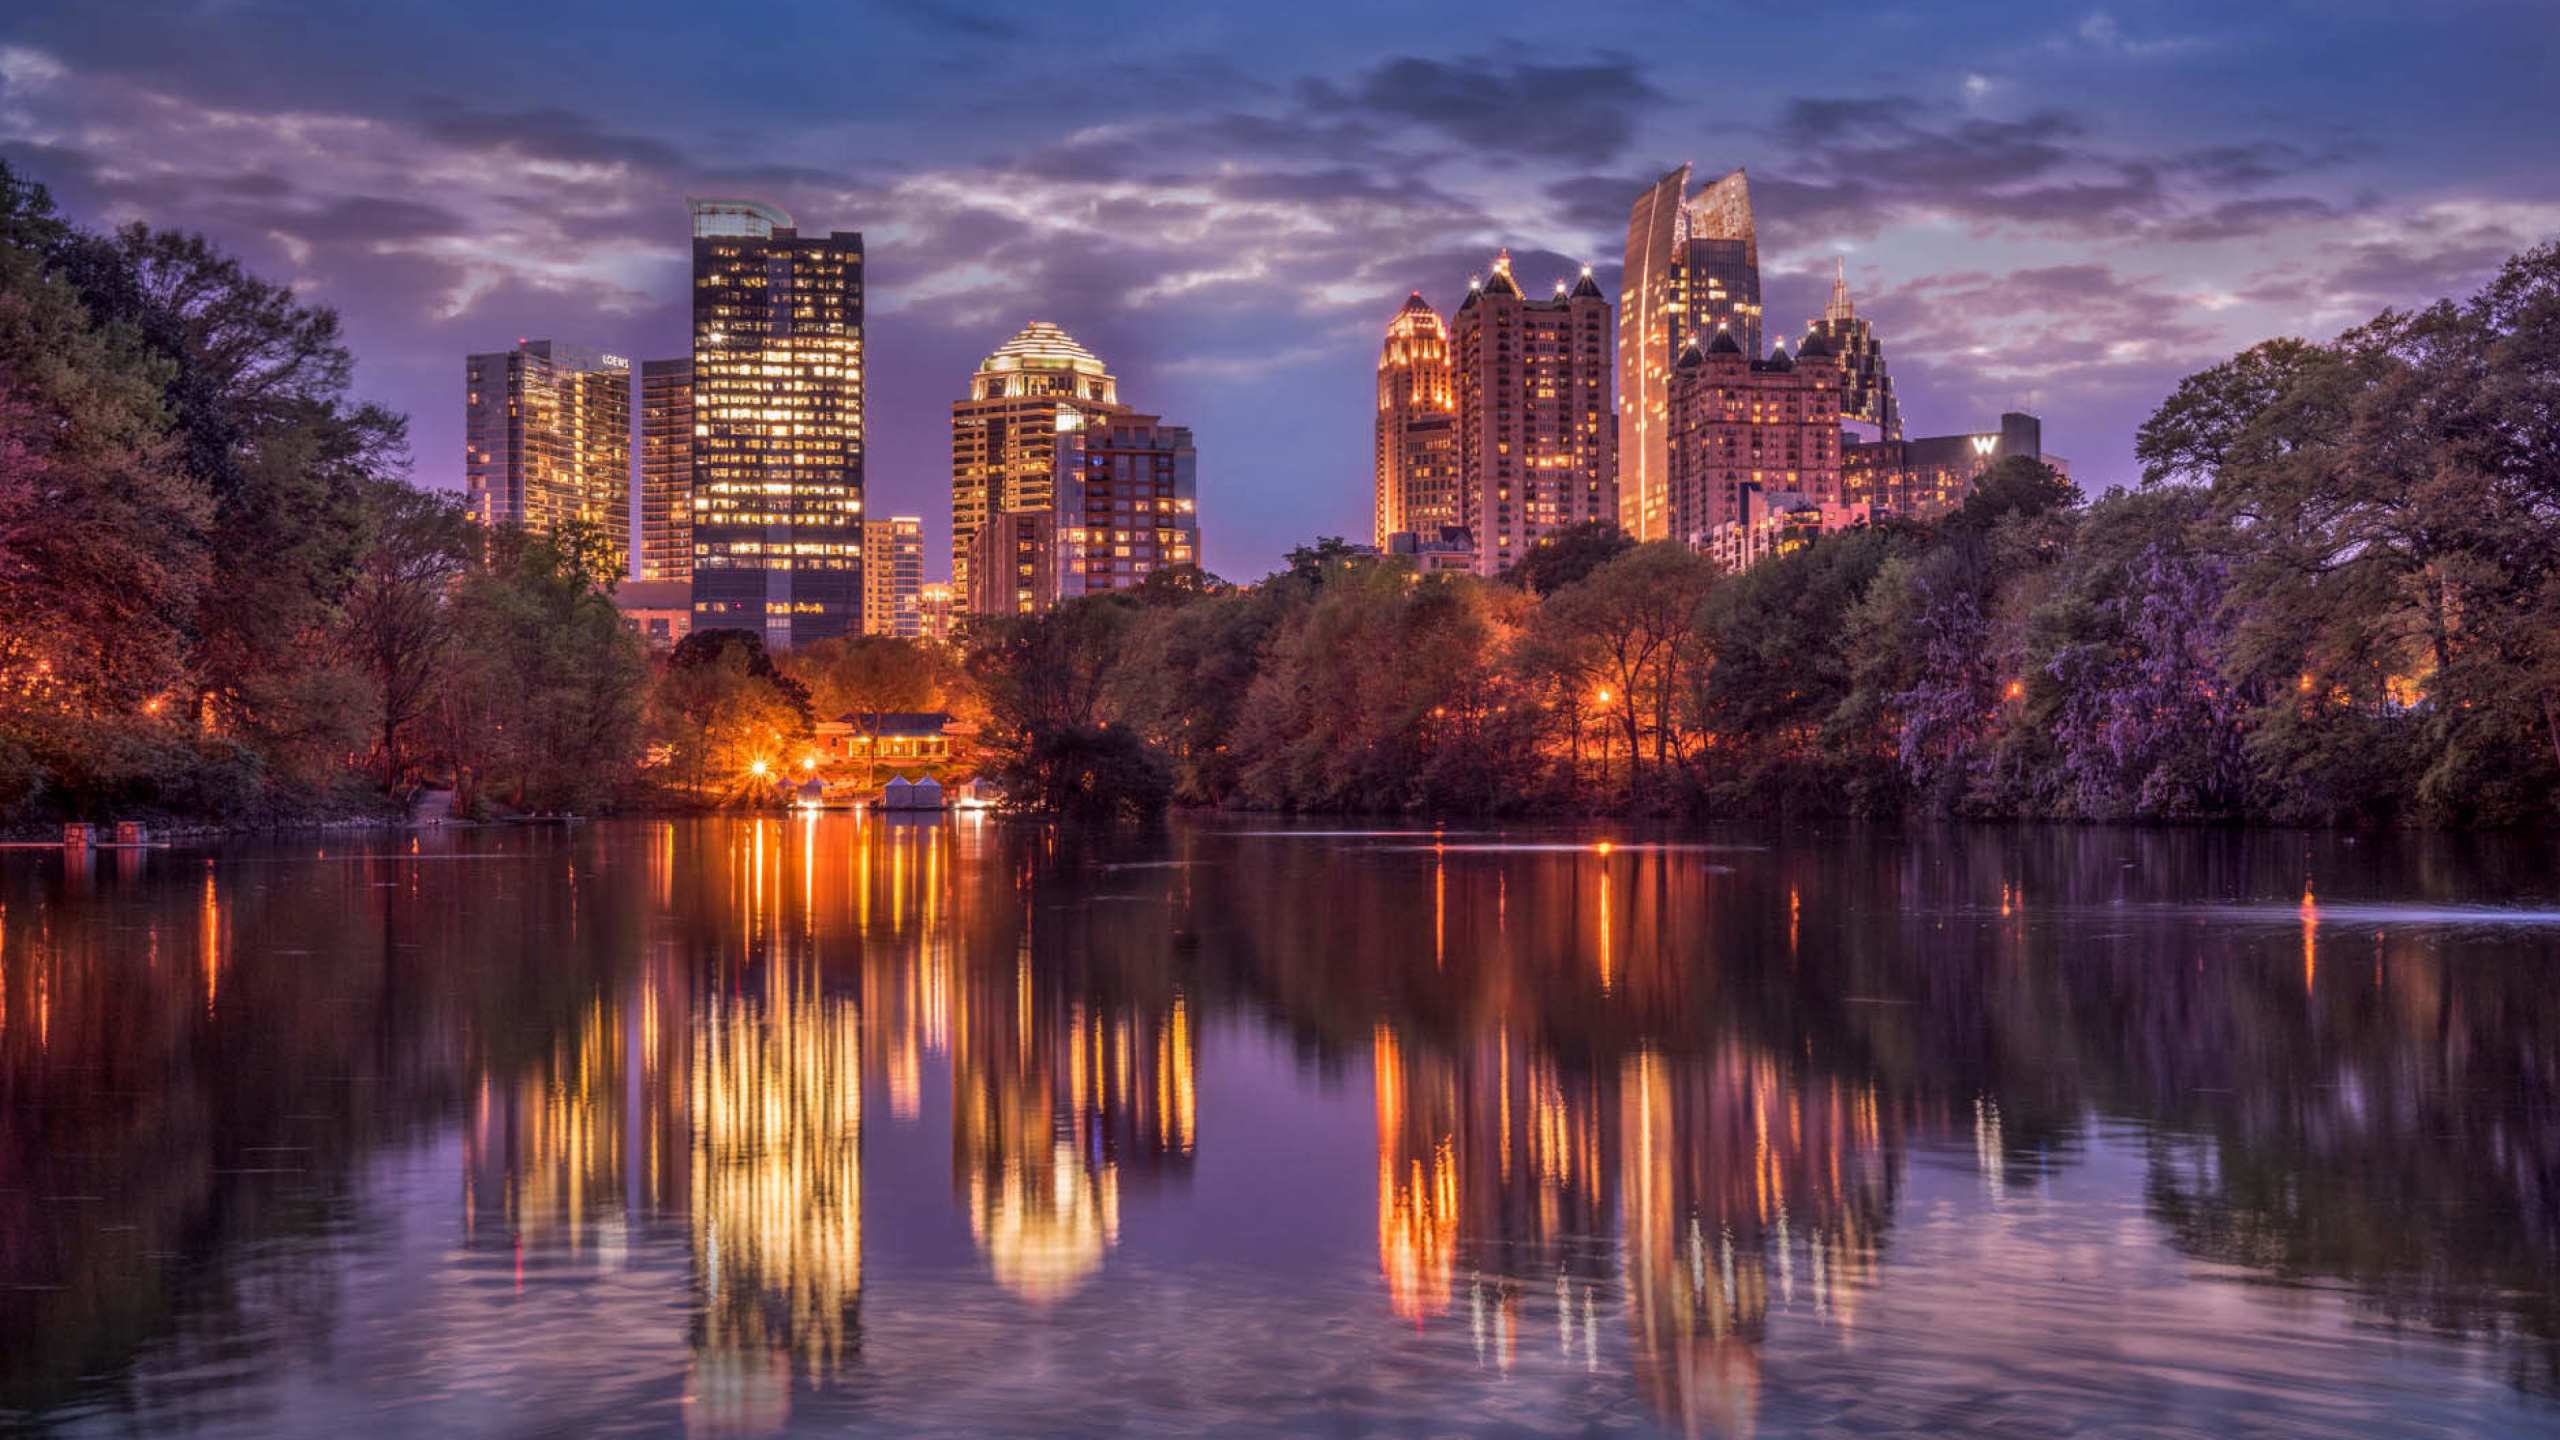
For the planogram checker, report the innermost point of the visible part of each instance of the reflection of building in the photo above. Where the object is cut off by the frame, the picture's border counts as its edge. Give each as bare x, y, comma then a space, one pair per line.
548, 436
1919, 479
1692, 269
1417, 464
1004, 437
1737, 423
1866, 388
1537, 451
1057, 1103
892, 575
666, 470
1742, 1190
778, 443
776, 1096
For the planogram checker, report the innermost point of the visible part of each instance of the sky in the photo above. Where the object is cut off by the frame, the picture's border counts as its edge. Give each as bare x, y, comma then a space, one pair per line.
2053, 207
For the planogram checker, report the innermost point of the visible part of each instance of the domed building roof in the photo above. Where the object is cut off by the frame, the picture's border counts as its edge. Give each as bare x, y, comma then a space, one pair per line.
1042, 359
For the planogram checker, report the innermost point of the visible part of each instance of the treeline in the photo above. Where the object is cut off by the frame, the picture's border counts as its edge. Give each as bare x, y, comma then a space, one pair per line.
218, 596
2335, 598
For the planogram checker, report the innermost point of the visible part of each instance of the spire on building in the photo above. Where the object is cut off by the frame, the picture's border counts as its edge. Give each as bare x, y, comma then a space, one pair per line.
1839, 309
1587, 287
1500, 282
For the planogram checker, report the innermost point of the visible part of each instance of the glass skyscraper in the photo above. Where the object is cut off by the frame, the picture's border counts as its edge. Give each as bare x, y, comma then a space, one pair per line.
1692, 272
547, 439
777, 441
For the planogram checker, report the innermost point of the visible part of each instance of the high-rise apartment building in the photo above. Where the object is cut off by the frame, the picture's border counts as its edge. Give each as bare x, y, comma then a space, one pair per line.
892, 574
1417, 479
1866, 388
778, 438
1692, 270
547, 439
1004, 437
1127, 502
1537, 442
1739, 426
666, 470
1013, 563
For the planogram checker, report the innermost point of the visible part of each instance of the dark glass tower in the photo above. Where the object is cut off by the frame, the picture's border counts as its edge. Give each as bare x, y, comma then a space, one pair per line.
777, 448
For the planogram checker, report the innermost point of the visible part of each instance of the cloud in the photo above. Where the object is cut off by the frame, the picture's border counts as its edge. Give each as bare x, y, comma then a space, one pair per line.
1582, 113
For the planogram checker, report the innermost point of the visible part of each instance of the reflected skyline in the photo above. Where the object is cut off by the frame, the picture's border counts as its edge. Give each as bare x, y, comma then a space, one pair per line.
1624, 1120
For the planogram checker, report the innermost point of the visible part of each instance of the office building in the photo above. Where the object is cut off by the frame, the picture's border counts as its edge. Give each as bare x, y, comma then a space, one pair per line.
547, 440
892, 573
1924, 478
1004, 437
1692, 271
1417, 434
1867, 406
1739, 426
666, 470
937, 610
1537, 448
778, 438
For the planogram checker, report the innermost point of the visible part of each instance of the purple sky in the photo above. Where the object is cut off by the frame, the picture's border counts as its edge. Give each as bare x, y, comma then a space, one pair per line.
2052, 207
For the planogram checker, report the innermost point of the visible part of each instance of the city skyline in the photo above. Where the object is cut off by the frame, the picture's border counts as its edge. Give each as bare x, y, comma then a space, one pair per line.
2053, 211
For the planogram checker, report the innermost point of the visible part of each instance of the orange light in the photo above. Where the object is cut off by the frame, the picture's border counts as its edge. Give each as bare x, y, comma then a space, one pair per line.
1602, 697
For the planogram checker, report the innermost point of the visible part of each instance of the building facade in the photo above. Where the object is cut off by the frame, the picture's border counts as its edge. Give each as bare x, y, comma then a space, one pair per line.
1692, 270
1004, 437
1867, 406
1417, 452
547, 440
1924, 478
666, 470
1537, 444
892, 574
1128, 503
1013, 563
937, 611
1740, 427
778, 424
660, 612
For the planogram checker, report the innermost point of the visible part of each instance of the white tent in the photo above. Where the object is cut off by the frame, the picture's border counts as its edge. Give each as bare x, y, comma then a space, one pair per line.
897, 794
926, 794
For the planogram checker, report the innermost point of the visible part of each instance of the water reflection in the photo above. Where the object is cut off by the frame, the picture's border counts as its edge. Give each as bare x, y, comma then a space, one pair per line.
1647, 1122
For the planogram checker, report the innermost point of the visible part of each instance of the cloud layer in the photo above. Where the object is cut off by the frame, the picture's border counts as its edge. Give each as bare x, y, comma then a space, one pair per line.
1229, 224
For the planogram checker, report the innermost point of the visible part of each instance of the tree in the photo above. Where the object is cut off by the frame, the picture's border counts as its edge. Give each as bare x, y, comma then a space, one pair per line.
1634, 620
1565, 557
398, 626
729, 716
543, 687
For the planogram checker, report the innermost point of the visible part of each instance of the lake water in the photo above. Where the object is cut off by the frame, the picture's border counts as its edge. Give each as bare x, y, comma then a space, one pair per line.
967, 1127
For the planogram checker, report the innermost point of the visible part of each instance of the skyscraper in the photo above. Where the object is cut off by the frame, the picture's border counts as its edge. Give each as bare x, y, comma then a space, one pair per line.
1866, 389
1692, 269
1417, 480
1004, 437
778, 442
666, 470
547, 439
1736, 423
1537, 451
892, 574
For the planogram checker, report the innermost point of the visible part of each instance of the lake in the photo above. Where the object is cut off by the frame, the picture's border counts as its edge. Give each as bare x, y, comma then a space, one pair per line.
961, 1126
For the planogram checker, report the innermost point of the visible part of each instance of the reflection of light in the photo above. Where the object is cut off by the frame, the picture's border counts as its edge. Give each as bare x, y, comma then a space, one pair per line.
2310, 938
777, 1175
1417, 1207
